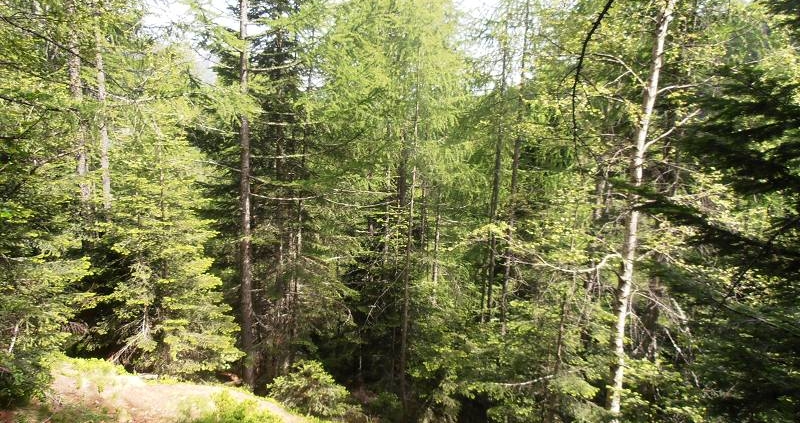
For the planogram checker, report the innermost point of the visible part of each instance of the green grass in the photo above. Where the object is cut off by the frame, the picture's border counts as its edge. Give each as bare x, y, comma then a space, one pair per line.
226, 409
65, 414
230, 405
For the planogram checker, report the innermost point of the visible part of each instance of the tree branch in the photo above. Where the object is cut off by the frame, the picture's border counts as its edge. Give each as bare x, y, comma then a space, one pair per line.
671, 130
544, 263
617, 60
579, 66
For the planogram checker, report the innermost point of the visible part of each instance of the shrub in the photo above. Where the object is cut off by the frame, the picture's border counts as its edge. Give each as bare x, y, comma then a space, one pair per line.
20, 380
388, 406
228, 410
310, 390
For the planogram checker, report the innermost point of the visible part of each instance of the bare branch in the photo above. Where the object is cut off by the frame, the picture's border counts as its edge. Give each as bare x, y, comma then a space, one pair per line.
279, 67
14, 336
671, 130
285, 198
28, 103
526, 383
579, 66
534, 381
615, 59
543, 263
678, 87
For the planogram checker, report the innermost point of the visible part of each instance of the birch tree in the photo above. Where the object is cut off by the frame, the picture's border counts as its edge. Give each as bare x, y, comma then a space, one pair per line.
631, 234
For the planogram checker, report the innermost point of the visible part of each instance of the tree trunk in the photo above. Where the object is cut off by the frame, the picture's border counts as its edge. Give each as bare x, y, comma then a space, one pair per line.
387, 213
407, 299
509, 254
622, 300
592, 283
298, 234
486, 313
436, 240
76, 90
246, 287
105, 142
408, 151
599, 195
518, 141
423, 219
486, 297
551, 397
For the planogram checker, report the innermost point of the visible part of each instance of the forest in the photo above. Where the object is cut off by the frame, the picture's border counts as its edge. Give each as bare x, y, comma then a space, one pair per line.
537, 211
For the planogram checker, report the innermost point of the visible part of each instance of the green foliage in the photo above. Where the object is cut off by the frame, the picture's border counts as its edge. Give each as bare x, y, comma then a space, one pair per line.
91, 366
227, 409
388, 406
311, 390
40, 258
20, 379
681, 402
746, 144
388, 238
159, 309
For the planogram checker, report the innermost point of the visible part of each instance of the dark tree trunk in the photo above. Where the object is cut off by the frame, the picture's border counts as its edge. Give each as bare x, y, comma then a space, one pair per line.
246, 287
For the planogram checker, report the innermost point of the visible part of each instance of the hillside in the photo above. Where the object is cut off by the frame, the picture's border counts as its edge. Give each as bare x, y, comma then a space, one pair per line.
96, 391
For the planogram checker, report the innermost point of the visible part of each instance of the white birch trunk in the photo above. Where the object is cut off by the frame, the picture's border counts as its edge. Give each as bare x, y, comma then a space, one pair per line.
622, 301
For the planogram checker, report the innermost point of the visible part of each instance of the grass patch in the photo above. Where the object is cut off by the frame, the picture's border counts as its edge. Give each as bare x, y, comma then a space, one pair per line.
86, 371
227, 409
65, 414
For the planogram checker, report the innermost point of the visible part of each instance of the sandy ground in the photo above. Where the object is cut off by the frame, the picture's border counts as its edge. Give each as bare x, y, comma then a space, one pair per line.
134, 400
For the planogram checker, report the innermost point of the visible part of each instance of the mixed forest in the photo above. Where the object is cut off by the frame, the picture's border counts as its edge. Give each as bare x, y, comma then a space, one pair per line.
544, 211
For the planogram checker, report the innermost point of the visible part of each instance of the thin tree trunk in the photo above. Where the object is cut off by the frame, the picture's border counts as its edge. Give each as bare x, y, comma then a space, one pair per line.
407, 299
509, 253
423, 219
486, 297
551, 397
407, 155
486, 315
161, 177
14, 336
599, 193
298, 245
436, 238
105, 142
593, 280
295, 281
246, 287
512, 207
632, 222
76, 91
387, 227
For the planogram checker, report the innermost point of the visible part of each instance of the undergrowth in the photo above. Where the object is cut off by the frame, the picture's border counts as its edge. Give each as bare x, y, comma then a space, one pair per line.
65, 414
228, 410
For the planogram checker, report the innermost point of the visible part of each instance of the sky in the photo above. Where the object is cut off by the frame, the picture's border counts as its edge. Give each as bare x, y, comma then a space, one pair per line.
164, 13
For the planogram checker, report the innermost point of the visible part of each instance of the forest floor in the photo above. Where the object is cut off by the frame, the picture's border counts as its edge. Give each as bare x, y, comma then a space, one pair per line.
86, 391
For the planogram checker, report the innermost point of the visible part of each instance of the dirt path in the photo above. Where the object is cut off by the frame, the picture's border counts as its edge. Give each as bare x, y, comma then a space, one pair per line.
134, 400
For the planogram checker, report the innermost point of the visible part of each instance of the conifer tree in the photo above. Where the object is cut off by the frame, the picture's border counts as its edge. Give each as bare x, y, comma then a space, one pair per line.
40, 205
157, 307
